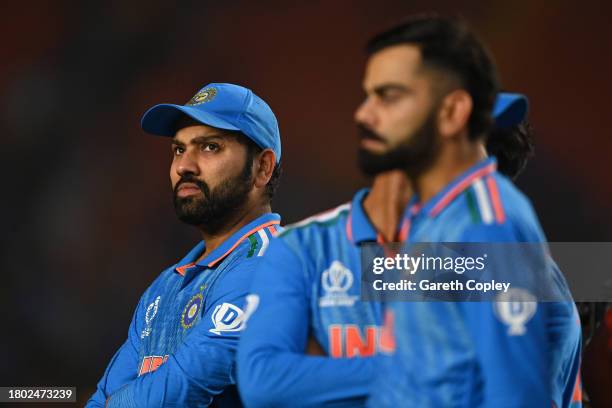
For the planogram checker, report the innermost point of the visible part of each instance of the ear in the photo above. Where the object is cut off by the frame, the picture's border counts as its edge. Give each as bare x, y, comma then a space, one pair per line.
264, 167
454, 113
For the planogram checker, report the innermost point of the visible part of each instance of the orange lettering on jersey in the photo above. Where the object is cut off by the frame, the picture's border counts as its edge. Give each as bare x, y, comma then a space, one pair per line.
151, 363
387, 339
346, 340
157, 361
145, 367
355, 346
335, 340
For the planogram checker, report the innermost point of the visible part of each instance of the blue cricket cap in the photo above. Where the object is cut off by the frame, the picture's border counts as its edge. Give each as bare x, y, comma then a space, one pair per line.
510, 109
223, 106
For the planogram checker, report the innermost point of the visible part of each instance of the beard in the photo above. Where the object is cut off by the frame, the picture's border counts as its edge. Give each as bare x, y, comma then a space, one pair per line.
414, 155
212, 210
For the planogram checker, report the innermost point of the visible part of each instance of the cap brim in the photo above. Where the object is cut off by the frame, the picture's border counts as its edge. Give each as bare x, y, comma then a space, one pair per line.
161, 119
510, 109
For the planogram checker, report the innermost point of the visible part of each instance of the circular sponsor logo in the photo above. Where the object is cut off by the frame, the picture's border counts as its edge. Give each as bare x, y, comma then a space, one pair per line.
204, 95
190, 313
515, 308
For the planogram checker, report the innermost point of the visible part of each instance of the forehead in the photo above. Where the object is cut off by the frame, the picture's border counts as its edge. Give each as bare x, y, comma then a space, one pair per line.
188, 129
394, 64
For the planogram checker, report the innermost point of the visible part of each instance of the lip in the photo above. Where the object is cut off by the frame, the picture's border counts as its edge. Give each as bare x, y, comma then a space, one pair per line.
187, 189
372, 144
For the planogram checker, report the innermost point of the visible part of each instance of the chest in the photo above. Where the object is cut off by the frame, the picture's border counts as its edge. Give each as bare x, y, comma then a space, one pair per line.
343, 324
173, 310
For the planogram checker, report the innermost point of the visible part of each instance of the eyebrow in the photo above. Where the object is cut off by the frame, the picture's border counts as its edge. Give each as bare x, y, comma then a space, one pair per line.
382, 89
200, 139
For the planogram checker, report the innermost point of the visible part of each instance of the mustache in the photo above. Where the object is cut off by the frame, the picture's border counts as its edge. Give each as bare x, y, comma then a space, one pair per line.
190, 178
365, 133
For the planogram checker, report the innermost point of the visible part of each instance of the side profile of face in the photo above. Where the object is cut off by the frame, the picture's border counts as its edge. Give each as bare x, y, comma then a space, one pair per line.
211, 174
397, 118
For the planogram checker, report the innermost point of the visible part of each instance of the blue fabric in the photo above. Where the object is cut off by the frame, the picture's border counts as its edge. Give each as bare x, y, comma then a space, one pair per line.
182, 339
510, 109
309, 285
223, 106
464, 354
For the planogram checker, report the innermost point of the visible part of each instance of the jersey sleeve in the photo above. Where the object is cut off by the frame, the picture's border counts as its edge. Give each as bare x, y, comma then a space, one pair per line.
123, 367
204, 364
441, 347
273, 369
510, 337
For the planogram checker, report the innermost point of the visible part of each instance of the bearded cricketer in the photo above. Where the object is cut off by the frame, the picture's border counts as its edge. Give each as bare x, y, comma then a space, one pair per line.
430, 87
181, 343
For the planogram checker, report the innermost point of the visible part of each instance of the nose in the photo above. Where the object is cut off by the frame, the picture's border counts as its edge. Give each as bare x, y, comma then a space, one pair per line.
186, 163
364, 114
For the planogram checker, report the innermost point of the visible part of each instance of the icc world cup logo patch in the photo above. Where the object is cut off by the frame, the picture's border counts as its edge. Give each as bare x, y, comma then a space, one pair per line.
191, 311
204, 95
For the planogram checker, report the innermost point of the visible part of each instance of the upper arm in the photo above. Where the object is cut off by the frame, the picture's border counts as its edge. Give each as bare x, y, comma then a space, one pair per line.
273, 369
278, 318
511, 343
510, 334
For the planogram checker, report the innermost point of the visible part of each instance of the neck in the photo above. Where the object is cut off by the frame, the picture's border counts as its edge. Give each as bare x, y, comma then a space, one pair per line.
241, 218
454, 159
386, 201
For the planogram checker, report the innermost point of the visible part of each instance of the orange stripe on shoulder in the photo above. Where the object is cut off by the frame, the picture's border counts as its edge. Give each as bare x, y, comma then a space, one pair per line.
500, 216
257, 228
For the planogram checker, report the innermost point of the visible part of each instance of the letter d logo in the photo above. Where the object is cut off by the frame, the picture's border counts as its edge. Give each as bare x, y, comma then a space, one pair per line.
227, 318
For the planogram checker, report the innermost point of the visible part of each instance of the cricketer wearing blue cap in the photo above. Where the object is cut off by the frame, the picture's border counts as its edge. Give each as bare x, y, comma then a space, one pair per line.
183, 335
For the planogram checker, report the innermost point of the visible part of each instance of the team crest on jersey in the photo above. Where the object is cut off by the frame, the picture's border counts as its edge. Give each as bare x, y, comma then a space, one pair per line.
203, 96
336, 281
191, 311
227, 318
515, 308
149, 316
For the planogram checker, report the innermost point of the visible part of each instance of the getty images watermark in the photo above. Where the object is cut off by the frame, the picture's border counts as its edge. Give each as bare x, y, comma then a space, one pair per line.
486, 272
409, 265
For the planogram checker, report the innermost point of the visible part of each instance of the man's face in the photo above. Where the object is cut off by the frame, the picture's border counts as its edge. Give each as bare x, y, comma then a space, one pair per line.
398, 117
210, 176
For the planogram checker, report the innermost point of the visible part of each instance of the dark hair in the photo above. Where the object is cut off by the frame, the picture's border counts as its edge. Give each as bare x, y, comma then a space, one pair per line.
447, 44
253, 150
512, 146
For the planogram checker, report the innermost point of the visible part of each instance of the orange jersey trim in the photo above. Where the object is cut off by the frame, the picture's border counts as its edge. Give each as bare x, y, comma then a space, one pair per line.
264, 225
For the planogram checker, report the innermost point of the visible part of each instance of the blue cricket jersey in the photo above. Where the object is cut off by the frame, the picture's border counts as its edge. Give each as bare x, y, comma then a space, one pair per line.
181, 343
465, 354
308, 284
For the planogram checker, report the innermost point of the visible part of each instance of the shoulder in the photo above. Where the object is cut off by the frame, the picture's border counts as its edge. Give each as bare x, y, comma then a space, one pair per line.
498, 210
311, 231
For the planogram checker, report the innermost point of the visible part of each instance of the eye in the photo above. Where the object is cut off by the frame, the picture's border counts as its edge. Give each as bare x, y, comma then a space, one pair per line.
177, 150
389, 96
209, 147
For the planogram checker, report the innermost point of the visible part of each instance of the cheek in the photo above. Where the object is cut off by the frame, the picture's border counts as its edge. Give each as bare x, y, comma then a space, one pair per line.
214, 170
403, 121
174, 177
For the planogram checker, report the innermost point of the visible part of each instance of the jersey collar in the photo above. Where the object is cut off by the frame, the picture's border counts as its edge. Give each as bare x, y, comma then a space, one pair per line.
359, 228
441, 200
227, 246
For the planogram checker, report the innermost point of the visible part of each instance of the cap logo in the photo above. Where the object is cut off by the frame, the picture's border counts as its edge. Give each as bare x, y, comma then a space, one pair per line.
205, 95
